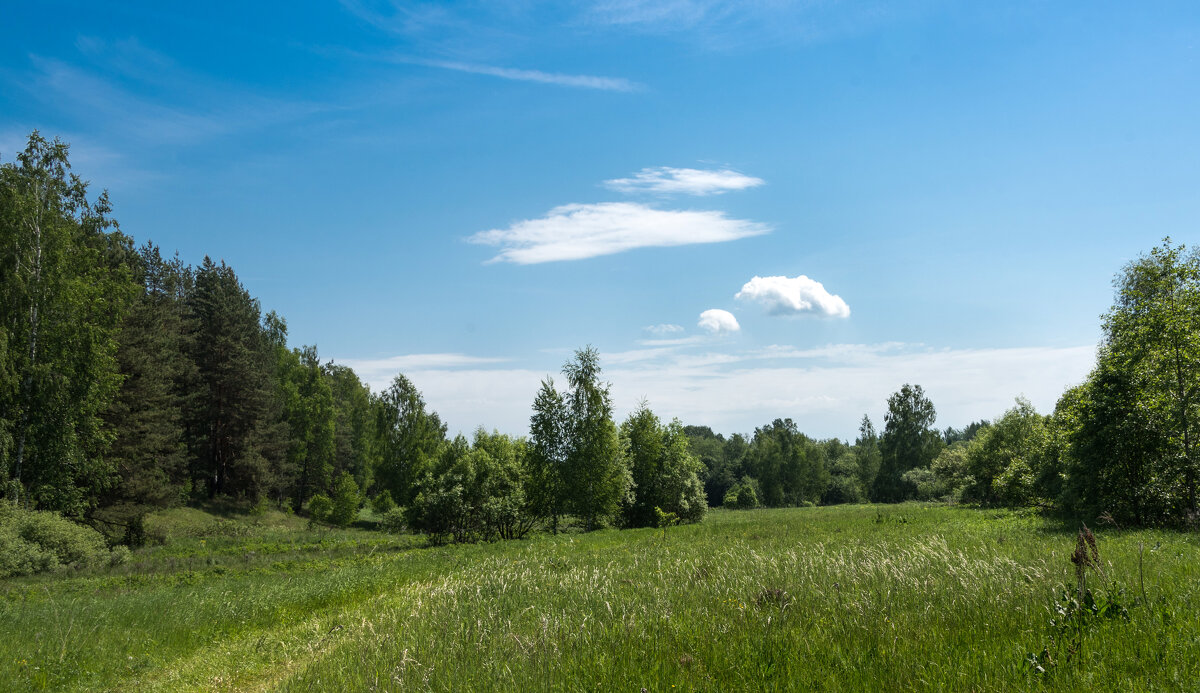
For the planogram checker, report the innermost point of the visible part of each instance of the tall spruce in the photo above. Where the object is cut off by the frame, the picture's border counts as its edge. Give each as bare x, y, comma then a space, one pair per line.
229, 420
149, 450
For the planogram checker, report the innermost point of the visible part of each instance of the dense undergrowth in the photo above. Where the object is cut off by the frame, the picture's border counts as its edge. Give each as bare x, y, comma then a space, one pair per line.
907, 597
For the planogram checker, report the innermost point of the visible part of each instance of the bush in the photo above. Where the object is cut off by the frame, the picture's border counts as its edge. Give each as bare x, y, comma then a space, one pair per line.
926, 482
383, 503
73, 544
393, 521
19, 557
36, 541
345, 501
120, 556
319, 507
741, 495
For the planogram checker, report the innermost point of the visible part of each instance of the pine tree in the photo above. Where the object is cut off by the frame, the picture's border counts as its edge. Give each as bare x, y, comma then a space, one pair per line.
231, 420
149, 449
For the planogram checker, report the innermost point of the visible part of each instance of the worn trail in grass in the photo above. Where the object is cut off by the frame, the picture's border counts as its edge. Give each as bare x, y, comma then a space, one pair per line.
842, 598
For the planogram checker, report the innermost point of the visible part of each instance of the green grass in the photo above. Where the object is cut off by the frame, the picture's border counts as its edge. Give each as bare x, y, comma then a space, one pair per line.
848, 598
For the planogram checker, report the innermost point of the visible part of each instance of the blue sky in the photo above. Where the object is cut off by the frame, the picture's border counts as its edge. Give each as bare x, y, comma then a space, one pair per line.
754, 210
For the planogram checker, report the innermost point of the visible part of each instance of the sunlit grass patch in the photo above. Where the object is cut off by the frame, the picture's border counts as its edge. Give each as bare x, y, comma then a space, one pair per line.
802, 599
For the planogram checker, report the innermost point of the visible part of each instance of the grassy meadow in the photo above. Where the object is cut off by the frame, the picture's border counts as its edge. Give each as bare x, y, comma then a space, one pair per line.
852, 598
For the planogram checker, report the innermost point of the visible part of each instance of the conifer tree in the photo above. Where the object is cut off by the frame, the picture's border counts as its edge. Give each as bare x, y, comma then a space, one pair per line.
230, 419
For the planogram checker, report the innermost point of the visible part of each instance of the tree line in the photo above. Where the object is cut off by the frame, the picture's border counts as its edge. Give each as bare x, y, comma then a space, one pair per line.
131, 381
1121, 445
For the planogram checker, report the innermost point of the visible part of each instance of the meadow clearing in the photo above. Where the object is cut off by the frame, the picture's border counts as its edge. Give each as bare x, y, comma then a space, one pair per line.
904, 597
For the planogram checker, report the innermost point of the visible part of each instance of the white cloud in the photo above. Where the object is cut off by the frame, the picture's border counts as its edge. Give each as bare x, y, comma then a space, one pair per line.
826, 390
717, 321
688, 181
578, 231
794, 296
378, 373
559, 79
663, 330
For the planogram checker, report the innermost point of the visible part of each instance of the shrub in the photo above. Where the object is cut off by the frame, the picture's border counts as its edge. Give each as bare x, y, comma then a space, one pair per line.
37, 541
393, 521
742, 495
119, 556
19, 557
72, 544
345, 501
383, 503
319, 507
926, 482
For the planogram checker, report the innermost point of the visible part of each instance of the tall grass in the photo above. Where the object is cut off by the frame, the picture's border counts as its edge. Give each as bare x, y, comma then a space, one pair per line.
845, 598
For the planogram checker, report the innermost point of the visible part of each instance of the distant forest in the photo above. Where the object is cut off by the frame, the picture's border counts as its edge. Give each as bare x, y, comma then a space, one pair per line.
131, 381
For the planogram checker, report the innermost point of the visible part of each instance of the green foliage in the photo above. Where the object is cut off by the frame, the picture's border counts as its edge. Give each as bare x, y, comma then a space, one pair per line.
308, 409
866, 451
475, 492
790, 467
1130, 430
355, 418
845, 481
233, 407
952, 470
666, 476
596, 477
345, 502
34, 541
548, 454
146, 416
1003, 457
319, 508
63, 293
743, 495
383, 503
408, 438
394, 520
908, 442
926, 484
577, 463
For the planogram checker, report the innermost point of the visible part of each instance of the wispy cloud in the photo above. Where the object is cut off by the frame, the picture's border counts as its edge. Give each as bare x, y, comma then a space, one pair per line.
578, 231
136, 94
717, 321
663, 330
556, 78
794, 296
734, 24
688, 181
379, 372
825, 389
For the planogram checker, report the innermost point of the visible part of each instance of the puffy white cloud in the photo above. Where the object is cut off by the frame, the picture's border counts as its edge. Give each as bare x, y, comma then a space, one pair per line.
578, 231
687, 181
794, 296
717, 321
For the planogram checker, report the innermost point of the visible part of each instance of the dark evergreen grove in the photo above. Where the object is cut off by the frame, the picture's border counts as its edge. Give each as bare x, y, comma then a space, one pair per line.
131, 381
